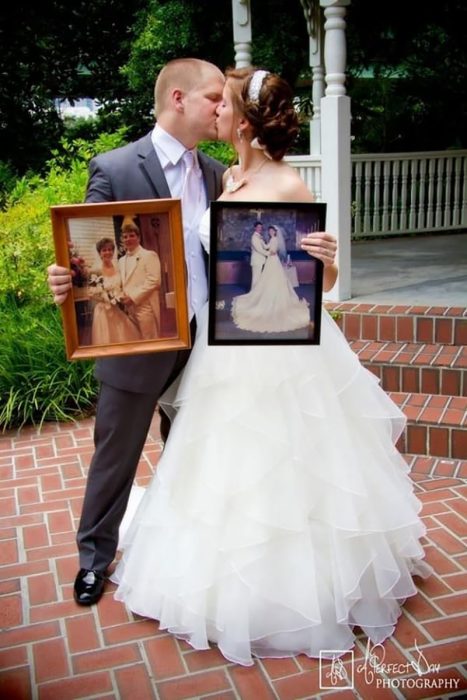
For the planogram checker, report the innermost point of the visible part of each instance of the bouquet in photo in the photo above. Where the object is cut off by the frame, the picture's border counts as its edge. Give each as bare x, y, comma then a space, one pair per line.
110, 296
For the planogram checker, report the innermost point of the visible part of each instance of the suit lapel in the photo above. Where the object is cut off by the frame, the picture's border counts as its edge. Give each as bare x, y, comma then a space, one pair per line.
209, 175
152, 167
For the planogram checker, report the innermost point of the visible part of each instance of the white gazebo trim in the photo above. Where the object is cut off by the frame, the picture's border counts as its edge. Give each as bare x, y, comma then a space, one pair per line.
330, 124
241, 16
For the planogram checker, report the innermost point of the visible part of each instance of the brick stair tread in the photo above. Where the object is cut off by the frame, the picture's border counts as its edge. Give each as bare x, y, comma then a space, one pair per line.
446, 325
440, 467
432, 409
410, 354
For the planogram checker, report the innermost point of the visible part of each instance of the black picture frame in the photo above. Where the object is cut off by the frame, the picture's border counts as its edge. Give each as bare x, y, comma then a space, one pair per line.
230, 274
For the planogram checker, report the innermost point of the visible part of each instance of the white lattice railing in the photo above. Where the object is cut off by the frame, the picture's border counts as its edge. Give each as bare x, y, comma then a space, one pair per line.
401, 193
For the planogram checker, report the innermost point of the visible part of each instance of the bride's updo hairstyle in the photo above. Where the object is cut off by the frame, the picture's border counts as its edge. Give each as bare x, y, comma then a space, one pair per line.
266, 100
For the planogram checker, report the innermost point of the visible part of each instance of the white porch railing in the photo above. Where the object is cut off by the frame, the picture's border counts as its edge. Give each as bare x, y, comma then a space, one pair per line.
400, 193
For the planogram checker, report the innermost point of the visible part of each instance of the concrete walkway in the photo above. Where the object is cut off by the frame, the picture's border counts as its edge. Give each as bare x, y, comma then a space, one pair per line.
426, 270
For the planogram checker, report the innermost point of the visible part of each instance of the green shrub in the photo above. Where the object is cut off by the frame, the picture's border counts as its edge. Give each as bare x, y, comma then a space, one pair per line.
26, 243
219, 150
37, 382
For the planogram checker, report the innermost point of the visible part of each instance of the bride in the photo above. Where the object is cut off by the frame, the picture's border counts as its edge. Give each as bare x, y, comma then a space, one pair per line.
110, 323
272, 304
281, 516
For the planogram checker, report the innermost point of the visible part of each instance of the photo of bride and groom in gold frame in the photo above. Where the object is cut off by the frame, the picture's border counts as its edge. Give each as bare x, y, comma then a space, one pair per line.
128, 275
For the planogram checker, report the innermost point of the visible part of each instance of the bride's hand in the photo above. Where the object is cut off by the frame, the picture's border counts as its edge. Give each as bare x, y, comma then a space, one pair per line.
321, 245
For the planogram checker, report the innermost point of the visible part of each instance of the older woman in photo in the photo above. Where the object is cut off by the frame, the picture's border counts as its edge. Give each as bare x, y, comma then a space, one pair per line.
110, 323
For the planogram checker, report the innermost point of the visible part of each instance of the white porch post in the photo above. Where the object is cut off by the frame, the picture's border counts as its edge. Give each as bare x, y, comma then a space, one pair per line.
241, 16
312, 13
335, 143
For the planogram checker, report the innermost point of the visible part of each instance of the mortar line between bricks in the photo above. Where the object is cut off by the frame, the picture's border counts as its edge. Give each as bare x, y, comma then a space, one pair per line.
145, 658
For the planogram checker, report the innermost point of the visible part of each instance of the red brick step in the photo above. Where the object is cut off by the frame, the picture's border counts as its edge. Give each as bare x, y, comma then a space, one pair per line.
413, 367
412, 324
436, 425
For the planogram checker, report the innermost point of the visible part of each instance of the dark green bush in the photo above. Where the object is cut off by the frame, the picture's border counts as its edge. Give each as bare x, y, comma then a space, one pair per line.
37, 382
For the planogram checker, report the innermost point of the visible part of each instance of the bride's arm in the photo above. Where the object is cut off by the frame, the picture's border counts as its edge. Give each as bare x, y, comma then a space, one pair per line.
320, 244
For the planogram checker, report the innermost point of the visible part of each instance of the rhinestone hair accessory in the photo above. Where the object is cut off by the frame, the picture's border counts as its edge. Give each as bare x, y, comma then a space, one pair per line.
256, 83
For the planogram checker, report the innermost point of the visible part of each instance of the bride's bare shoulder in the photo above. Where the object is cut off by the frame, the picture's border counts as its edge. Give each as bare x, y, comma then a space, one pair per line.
292, 187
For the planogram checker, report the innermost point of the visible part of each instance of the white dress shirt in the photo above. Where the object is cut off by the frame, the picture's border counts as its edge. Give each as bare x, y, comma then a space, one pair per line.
170, 153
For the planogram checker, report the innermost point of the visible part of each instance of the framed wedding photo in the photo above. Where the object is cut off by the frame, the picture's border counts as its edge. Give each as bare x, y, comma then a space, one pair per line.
263, 289
129, 280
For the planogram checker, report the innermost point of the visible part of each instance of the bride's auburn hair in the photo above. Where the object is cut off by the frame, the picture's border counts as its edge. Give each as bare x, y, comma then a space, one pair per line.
272, 116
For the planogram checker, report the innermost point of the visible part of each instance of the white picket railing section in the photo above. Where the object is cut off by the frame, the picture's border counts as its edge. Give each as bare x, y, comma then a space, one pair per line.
400, 193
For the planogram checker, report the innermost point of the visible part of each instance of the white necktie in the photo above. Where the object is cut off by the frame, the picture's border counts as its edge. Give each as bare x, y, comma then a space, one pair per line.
192, 191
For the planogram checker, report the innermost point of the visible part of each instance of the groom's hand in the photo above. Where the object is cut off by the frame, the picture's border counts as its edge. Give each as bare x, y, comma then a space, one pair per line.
59, 281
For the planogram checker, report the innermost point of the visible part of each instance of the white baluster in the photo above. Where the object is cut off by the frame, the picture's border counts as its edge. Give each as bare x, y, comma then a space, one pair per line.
457, 190
335, 50
312, 12
386, 179
367, 197
394, 195
413, 194
357, 202
376, 194
241, 16
431, 189
423, 204
439, 178
403, 209
447, 194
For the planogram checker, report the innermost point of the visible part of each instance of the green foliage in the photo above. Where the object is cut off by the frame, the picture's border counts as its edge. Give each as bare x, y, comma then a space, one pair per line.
163, 32
26, 244
219, 150
407, 76
56, 50
37, 382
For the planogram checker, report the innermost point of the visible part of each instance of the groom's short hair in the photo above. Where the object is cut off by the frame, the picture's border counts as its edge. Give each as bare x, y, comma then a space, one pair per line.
258, 223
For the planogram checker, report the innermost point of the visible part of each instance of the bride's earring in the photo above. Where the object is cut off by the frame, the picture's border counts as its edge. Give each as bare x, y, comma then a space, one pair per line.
239, 134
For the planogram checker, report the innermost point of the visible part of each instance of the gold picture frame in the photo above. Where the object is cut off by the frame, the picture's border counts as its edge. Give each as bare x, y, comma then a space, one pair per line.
148, 310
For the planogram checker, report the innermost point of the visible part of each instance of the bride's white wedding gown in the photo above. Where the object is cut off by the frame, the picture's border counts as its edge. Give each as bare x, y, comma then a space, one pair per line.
281, 515
272, 304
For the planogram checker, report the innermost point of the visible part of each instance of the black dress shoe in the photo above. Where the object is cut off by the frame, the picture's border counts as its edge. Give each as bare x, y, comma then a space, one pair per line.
89, 586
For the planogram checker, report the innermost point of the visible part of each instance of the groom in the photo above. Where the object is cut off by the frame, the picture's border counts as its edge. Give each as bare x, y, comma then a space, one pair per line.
259, 253
187, 92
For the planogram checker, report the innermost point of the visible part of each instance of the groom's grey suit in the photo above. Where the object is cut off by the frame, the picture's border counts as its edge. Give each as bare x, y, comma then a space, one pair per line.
130, 386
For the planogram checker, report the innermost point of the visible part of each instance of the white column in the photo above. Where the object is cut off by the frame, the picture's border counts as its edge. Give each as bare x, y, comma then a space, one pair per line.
241, 20
312, 11
335, 143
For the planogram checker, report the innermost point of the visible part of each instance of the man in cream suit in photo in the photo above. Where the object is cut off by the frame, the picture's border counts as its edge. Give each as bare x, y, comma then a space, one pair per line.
140, 270
259, 253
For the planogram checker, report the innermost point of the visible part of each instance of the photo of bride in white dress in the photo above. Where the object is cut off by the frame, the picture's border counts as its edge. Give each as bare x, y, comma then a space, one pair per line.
272, 304
110, 323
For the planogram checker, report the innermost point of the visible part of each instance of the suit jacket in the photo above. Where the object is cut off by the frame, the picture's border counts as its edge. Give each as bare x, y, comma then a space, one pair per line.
142, 284
127, 173
259, 251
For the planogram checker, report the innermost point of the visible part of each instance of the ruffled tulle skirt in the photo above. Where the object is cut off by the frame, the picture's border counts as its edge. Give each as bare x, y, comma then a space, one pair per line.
281, 514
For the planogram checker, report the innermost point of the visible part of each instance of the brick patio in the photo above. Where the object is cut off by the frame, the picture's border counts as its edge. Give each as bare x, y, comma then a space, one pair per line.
50, 648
